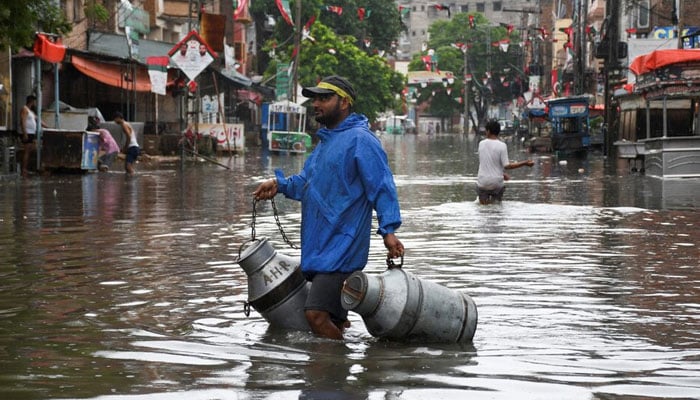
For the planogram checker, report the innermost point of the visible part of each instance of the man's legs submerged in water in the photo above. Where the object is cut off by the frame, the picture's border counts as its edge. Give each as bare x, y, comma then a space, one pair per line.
323, 311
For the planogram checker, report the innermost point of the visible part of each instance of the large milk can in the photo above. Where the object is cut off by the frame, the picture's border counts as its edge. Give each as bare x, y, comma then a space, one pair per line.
277, 288
397, 305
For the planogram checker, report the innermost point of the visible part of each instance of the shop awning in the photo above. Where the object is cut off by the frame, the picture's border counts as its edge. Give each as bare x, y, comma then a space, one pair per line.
661, 58
235, 76
117, 75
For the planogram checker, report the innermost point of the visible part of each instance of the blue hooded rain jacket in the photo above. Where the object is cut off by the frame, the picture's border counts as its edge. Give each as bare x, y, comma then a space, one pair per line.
343, 180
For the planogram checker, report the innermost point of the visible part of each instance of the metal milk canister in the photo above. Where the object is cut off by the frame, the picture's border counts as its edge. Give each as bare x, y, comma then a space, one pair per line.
277, 288
400, 306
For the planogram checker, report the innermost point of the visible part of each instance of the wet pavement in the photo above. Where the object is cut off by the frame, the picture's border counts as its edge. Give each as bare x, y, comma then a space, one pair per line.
586, 281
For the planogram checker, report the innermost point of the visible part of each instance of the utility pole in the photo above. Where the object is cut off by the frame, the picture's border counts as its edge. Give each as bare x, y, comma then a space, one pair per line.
580, 12
612, 65
297, 47
467, 78
679, 14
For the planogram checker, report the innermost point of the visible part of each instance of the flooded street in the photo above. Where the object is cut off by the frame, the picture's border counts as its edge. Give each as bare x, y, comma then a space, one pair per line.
586, 281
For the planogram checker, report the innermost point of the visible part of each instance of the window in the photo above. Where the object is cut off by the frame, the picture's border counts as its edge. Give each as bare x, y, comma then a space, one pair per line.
464, 8
643, 14
77, 10
497, 6
480, 7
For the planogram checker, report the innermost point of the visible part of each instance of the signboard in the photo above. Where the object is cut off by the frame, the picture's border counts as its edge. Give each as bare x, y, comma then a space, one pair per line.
287, 107
192, 55
568, 110
136, 18
228, 137
91, 148
212, 30
282, 86
293, 142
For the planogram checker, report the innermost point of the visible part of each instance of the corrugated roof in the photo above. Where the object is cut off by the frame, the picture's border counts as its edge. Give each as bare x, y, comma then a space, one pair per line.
113, 45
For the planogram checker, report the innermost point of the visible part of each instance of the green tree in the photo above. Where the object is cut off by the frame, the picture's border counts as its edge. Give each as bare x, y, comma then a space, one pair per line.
446, 38
21, 19
376, 83
334, 53
381, 25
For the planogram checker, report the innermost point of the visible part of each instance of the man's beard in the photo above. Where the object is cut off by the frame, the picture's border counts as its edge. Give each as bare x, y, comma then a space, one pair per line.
330, 119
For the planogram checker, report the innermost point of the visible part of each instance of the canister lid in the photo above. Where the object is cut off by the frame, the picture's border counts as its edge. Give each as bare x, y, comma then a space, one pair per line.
354, 290
256, 256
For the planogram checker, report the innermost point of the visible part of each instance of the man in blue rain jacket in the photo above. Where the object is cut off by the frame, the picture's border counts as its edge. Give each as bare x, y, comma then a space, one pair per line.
343, 180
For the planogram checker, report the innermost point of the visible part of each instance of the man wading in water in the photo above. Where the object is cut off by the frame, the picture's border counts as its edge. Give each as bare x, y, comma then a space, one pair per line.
343, 180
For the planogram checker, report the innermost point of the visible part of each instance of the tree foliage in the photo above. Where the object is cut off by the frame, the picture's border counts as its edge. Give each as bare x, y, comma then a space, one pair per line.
21, 19
375, 82
381, 24
484, 60
338, 48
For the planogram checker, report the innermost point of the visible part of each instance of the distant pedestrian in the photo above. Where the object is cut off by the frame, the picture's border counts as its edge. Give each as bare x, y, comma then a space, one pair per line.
131, 145
109, 149
493, 160
27, 131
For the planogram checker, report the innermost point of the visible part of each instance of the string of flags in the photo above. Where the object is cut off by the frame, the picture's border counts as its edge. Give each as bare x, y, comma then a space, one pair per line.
445, 7
285, 11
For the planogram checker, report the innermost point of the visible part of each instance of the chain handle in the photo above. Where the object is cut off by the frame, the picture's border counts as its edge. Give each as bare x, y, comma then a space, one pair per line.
275, 213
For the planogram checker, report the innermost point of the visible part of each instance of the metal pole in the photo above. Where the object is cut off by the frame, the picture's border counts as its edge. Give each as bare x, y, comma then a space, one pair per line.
39, 130
297, 46
679, 4
466, 89
57, 117
612, 36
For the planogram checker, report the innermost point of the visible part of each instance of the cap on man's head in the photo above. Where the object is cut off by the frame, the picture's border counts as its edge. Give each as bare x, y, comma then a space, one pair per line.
333, 84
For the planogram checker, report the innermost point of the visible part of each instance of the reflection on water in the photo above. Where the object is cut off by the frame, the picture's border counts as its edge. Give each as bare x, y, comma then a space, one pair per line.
586, 279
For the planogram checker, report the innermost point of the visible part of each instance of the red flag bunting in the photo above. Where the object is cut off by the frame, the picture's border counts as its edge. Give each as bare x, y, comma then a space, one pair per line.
283, 6
335, 9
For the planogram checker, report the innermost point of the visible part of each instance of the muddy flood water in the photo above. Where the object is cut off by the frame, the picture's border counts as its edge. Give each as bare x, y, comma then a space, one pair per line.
586, 279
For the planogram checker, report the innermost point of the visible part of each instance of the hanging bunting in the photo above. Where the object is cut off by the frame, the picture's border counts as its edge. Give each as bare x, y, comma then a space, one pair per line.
361, 13
306, 31
334, 9
556, 84
427, 61
240, 10
283, 6
158, 72
443, 7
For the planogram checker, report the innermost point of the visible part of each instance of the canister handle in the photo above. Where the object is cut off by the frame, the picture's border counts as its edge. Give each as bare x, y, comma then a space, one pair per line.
246, 309
391, 265
240, 248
